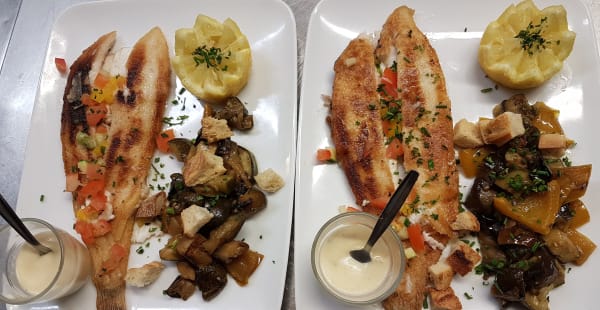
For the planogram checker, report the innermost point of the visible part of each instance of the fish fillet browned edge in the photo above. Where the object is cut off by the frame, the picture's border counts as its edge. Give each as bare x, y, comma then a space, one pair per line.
135, 122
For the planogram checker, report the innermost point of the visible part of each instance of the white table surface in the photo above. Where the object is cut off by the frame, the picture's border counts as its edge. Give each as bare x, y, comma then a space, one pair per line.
25, 27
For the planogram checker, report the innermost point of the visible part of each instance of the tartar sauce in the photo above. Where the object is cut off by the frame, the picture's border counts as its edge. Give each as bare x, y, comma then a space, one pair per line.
35, 272
344, 273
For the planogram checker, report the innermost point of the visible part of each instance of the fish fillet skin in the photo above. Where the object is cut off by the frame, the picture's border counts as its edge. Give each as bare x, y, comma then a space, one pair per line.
427, 141
135, 121
355, 123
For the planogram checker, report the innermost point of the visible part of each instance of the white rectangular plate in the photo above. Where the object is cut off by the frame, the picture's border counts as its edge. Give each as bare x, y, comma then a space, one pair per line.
454, 29
270, 96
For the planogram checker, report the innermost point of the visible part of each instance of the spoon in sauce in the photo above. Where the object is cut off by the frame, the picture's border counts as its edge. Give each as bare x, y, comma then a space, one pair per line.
15, 222
393, 206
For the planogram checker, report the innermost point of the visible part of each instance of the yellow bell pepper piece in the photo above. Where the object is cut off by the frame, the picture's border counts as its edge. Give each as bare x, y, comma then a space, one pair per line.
536, 211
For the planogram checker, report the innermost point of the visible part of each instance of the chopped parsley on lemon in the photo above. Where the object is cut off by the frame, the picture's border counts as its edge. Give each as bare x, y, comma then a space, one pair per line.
212, 59
526, 46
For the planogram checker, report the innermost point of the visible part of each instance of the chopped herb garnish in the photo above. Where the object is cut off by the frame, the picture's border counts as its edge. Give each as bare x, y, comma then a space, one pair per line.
487, 90
430, 164
212, 57
531, 37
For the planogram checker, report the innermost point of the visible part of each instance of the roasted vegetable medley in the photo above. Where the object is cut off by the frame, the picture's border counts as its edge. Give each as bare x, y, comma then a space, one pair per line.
526, 195
207, 204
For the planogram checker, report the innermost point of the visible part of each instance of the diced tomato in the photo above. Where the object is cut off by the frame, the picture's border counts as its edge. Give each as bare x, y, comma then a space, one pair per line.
376, 205
72, 182
87, 100
101, 80
387, 127
389, 79
162, 140
394, 149
98, 202
117, 254
92, 188
379, 203
61, 65
327, 154
80, 199
101, 129
94, 172
86, 230
94, 114
101, 228
415, 236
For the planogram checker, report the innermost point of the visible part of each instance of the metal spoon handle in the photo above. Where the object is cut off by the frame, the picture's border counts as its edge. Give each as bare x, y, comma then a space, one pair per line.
13, 220
395, 204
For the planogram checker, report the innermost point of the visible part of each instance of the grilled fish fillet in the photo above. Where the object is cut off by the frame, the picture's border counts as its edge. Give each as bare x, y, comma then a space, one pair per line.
356, 128
427, 140
135, 121
426, 133
426, 116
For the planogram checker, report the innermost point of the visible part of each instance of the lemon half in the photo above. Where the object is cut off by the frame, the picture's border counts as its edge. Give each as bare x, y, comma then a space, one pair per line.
525, 47
212, 59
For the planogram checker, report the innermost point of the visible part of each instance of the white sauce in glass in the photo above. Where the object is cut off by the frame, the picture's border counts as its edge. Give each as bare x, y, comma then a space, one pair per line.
344, 273
35, 272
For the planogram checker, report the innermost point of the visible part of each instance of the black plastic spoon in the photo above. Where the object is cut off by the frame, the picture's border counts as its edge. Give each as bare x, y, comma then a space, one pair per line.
393, 206
15, 222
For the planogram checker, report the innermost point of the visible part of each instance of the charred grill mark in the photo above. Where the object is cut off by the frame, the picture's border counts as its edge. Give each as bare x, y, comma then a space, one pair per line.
135, 65
133, 136
111, 153
131, 98
120, 97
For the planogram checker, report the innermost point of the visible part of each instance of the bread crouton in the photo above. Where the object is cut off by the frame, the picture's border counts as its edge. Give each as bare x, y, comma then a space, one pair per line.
193, 218
463, 258
152, 206
214, 129
502, 128
202, 166
465, 220
467, 135
269, 181
444, 299
145, 275
441, 275
552, 141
